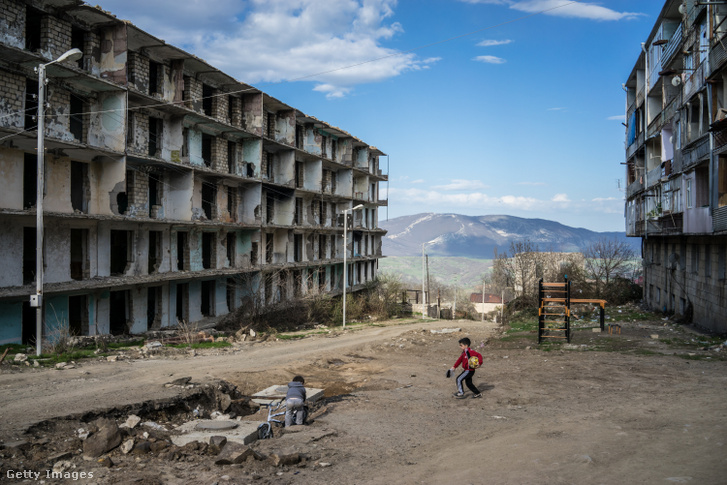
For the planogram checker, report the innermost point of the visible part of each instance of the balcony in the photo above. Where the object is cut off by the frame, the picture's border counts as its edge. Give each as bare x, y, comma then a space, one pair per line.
672, 47
695, 152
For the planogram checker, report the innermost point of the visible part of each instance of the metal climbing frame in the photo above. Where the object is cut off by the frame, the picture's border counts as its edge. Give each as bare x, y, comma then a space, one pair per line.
554, 310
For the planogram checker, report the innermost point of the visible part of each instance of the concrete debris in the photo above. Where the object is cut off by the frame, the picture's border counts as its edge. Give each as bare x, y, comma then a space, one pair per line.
127, 446
62, 466
446, 330
153, 345
66, 455
233, 453
20, 358
181, 382
141, 448
106, 462
102, 441
655, 336
82, 434
131, 421
153, 425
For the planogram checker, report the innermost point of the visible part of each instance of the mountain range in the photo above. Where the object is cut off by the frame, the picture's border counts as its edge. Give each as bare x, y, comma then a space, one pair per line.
477, 236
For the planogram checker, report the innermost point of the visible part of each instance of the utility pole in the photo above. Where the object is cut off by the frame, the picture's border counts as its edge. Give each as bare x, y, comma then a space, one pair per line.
424, 295
454, 305
428, 287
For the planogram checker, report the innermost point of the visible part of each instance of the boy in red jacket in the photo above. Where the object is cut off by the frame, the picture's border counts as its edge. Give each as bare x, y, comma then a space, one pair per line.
467, 371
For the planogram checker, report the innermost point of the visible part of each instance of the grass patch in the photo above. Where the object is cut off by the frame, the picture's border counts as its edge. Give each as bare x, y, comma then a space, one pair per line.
122, 345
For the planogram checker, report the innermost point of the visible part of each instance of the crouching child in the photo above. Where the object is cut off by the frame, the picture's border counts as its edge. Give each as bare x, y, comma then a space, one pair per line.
295, 402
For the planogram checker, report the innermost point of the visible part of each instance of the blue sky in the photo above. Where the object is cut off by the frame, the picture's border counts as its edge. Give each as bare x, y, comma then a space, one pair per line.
522, 117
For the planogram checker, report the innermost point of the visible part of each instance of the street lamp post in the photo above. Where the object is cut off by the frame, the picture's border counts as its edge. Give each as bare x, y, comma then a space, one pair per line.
345, 254
37, 299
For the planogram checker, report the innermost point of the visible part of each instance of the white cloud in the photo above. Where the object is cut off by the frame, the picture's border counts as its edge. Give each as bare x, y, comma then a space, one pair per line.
562, 8
332, 43
621, 118
461, 184
489, 59
555, 109
560, 198
417, 181
490, 43
568, 8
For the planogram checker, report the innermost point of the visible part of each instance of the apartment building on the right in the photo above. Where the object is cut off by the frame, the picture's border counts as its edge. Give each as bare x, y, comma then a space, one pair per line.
676, 161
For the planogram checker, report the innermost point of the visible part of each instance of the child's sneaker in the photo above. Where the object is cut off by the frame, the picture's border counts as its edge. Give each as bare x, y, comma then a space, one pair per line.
477, 396
459, 395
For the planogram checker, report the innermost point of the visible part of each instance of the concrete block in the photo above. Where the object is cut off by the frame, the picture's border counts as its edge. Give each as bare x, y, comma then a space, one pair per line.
202, 430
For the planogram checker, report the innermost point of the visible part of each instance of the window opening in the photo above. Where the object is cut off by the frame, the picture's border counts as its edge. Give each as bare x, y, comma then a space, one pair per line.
208, 298
155, 251
208, 250
29, 254
30, 180
33, 29
231, 294
155, 139
209, 197
78, 315
79, 186
182, 251
153, 307
118, 312
76, 118
182, 310
120, 249
79, 254
154, 68
231, 249
207, 93
207, 150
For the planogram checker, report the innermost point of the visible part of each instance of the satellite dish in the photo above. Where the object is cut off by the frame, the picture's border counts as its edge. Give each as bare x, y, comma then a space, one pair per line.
676, 81
673, 259
682, 9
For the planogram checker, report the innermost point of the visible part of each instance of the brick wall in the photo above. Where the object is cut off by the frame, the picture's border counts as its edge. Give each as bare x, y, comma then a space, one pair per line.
219, 106
236, 110
193, 94
138, 71
137, 186
12, 99
55, 36
139, 142
219, 154
12, 22
57, 116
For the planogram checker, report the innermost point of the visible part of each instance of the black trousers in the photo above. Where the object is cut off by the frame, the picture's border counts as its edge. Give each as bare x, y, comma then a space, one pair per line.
466, 376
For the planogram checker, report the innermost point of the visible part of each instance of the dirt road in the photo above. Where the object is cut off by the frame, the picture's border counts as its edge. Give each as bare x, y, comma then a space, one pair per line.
547, 417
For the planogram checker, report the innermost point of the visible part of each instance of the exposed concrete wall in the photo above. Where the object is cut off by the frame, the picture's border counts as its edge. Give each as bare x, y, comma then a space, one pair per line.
344, 183
252, 154
57, 185
221, 297
12, 174
312, 175
11, 242
312, 140
693, 276
345, 150
194, 142
103, 304
107, 179
57, 251
284, 211
179, 193
252, 113
251, 205
285, 127
361, 187
107, 128
11, 322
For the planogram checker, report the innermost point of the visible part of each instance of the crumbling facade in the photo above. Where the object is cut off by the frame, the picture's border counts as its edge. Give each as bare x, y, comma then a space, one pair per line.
172, 191
676, 161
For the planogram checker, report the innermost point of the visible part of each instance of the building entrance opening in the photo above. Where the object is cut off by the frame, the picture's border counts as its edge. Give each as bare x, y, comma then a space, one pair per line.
118, 312
78, 315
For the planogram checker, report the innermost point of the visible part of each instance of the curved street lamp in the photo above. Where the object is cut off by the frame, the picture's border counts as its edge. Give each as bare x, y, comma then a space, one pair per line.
37, 299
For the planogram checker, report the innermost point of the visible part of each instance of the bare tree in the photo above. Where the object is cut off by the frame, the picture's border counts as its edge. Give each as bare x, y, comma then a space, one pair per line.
604, 260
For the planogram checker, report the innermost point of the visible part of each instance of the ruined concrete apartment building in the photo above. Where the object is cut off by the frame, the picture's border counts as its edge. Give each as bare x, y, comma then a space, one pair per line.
172, 191
676, 161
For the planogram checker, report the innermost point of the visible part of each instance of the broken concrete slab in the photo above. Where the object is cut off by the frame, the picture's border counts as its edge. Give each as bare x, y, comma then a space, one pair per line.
446, 330
278, 392
233, 453
244, 432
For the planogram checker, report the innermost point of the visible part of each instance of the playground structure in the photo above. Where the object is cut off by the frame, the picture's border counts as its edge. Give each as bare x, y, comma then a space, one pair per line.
554, 312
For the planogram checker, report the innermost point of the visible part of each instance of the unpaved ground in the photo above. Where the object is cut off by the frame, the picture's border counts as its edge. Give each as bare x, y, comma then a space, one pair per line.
628, 413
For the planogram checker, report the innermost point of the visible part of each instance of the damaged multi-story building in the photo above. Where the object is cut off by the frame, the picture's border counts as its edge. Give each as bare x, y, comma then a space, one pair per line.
676, 161
173, 192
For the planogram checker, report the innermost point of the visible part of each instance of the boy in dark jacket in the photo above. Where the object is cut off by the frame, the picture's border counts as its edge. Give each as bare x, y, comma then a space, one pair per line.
295, 402
467, 372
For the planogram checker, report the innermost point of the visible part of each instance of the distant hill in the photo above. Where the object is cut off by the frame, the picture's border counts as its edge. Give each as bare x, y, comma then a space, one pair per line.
478, 236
